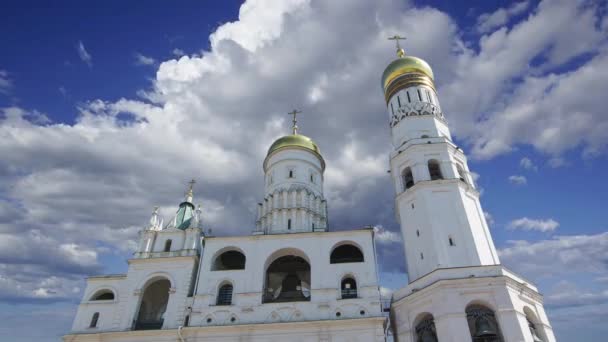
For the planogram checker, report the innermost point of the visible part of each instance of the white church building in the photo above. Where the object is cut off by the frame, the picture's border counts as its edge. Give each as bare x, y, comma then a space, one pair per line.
294, 279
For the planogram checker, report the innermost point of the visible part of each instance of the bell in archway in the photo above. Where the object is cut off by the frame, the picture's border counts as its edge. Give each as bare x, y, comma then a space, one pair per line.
483, 328
535, 337
428, 336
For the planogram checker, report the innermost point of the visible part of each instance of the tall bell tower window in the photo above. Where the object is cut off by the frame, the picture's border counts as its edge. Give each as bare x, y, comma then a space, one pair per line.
168, 245
435, 169
288, 223
408, 178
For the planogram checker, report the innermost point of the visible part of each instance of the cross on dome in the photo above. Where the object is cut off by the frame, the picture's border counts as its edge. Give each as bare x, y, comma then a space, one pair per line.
295, 120
397, 38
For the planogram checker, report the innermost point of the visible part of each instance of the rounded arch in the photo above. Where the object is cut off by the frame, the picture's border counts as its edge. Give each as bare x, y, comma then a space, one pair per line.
224, 293
228, 258
348, 286
153, 303
407, 178
152, 277
346, 251
535, 325
104, 293
482, 321
287, 276
424, 328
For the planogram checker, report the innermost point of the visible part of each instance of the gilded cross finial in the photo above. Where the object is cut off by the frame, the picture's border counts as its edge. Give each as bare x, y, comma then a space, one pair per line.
397, 38
190, 193
295, 120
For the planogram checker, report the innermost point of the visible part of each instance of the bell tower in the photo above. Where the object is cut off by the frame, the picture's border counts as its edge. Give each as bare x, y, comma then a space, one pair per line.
437, 204
457, 289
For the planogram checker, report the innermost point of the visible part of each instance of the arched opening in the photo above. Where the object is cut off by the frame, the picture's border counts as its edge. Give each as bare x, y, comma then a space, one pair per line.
346, 253
230, 260
153, 305
94, 320
287, 280
435, 169
425, 329
535, 328
408, 178
483, 325
224, 295
104, 294
349, 288
461, 174
167, 245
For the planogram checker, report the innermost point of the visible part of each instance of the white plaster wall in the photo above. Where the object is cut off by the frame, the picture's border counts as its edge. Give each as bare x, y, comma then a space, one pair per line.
108, 309
260, 251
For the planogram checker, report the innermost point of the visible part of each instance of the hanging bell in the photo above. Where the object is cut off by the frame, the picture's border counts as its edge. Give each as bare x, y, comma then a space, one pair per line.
483, 328
532, 327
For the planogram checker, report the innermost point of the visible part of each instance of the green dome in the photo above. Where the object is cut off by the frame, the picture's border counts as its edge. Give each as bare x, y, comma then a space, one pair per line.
294, 140
404, 65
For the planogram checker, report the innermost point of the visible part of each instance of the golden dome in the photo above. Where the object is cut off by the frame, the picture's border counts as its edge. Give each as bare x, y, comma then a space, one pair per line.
294, 140
404, 65
297, 141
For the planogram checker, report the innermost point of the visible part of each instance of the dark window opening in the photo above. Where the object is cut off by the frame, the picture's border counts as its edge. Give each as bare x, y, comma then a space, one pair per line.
313, 226
209, 320
287, 280
230, 260
153, 306
421, 256
434, 170
103, 295
482, 324
187, 320
290, 173
451, 241
362, 312
425, 330
168, 246
409, 100
346, 253
412, 205
349, 288
224, 295
417, 232
94, 320
419, 95
288, 223
408, 178
338, 314
399, 100
392, 109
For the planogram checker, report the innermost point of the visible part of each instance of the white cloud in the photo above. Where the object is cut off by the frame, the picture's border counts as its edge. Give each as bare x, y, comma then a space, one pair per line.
143, 60
178, 52
543, 225
489, 218
5, 82
528, 164
384, 236
83, 54
489, 21
518, 180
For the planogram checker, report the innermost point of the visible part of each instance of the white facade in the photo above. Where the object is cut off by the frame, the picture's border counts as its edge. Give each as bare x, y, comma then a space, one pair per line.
294, 279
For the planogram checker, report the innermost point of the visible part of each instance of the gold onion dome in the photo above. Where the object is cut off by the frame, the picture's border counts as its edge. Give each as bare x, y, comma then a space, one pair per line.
404, 65
294, 140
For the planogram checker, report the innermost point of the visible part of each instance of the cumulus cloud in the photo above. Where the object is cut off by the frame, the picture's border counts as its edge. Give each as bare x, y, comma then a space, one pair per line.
84, 54
6, 84
178, 52
528, 164
144, 60
518, 180
524, 223
489, 21
90, 185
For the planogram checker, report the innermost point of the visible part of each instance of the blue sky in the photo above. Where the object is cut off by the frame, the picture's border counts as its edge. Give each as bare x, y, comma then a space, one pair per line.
109, 109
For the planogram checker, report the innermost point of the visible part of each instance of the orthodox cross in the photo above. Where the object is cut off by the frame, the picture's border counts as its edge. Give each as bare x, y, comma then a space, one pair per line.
397, 38
190, 188
295, 120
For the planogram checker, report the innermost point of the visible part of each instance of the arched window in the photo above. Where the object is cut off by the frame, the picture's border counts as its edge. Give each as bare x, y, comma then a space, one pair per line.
153, 305
103, 295
346, 253
230, 260
482, 324
94, 320
408, 178
224, 295
349, 288
435, 169
168, 245
461, 174
425, 329
287, 280
535, 330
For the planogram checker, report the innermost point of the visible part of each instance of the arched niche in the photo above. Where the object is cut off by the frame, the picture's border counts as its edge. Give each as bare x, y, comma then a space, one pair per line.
229, 259
345, 252
483, 324
287, 277
153, 305
424, 328
103, 294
